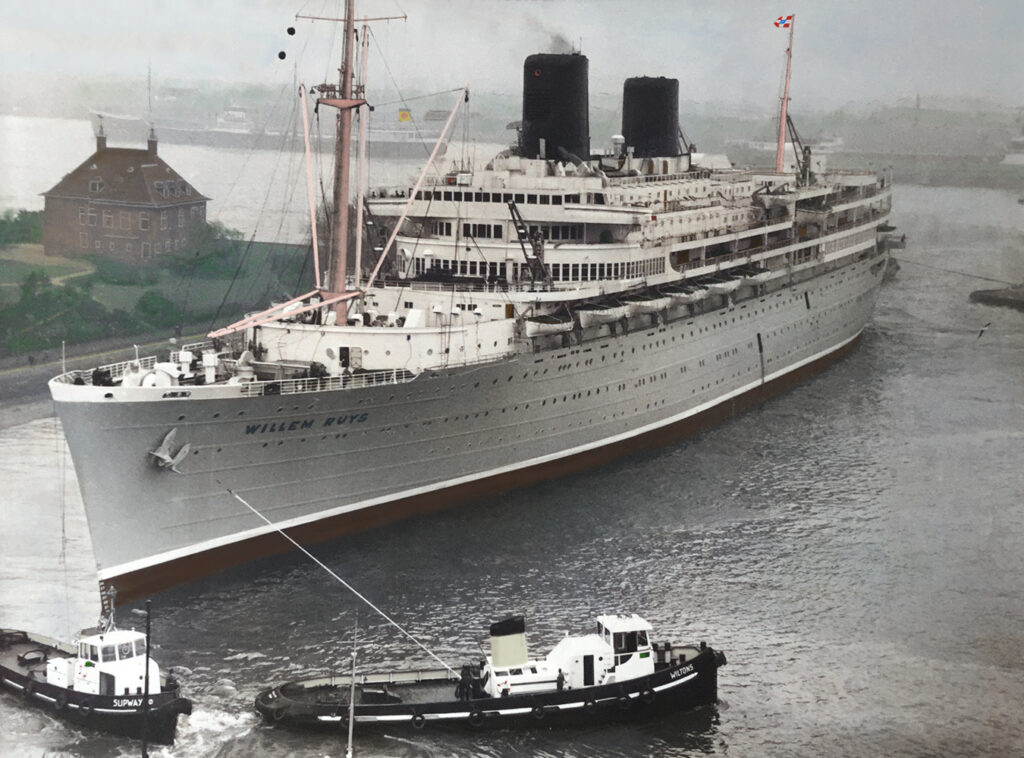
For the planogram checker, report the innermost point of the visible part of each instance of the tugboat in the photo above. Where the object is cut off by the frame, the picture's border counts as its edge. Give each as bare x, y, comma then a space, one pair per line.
614, 674
106, 682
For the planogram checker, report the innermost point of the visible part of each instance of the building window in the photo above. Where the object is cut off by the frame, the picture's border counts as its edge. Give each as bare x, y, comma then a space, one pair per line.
92, 216
163, 221
108, 219
144, 221
83, 217
97, 244
181, 218
83, 240
95, 185
126, 220
194, 212
146, 250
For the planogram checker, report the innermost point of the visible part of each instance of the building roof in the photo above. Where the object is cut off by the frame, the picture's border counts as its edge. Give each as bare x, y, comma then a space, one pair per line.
126, 175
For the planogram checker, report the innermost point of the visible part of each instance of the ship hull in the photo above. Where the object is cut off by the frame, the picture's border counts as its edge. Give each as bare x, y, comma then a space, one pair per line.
324, 465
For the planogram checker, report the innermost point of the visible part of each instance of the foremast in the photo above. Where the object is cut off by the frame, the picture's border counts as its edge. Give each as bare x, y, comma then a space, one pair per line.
342, 151
780, 150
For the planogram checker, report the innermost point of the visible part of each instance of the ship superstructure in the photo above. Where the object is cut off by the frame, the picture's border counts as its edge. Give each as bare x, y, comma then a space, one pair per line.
546, 312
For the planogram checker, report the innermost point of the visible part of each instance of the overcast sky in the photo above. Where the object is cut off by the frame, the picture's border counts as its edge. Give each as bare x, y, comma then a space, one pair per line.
724, 50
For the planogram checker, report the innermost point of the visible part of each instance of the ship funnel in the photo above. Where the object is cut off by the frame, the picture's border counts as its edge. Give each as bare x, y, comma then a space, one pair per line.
650, 116
556, 106
508, 642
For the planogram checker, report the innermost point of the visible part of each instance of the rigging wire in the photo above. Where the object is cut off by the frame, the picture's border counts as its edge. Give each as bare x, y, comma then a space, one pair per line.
404, 100
345, 584
954, 271
61, 445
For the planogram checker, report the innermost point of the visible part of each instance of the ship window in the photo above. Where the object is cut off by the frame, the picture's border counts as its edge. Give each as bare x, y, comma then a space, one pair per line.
625, 642
125, 650
545, 199
531, 199
516, 672
556, 199
520, 198
641, 639
94, 654
109, 654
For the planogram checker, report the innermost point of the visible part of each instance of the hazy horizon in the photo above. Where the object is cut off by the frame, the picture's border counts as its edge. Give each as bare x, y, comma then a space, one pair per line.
728, 53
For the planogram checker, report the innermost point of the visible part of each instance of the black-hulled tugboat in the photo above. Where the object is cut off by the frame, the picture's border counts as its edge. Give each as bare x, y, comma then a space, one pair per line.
100, 683
616, 673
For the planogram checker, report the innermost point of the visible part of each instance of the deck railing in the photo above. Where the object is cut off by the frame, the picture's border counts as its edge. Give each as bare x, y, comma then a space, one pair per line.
320, 384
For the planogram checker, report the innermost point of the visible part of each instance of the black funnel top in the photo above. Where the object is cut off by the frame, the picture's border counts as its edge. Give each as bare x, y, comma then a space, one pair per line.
511, 625
650, 116
555, 106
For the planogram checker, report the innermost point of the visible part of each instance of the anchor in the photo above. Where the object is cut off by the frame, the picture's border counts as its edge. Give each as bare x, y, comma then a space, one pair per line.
163, 455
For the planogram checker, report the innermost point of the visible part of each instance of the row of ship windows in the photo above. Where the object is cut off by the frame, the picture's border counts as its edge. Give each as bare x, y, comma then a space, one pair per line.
467, 196
496, 231
560, 272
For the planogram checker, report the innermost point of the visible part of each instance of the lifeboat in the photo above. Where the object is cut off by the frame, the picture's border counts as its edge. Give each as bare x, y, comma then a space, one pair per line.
593, 314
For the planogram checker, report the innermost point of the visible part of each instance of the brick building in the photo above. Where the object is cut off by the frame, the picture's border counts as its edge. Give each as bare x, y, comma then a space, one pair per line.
122, 203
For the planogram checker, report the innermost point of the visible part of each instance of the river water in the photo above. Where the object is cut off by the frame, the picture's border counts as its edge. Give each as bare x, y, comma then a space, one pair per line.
855, 546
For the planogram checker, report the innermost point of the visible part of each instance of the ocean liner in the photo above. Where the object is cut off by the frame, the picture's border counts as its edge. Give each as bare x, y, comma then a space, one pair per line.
541, 314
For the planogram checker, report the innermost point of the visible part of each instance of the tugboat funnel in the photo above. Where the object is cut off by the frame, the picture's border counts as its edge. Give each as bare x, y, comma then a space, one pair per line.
508, 642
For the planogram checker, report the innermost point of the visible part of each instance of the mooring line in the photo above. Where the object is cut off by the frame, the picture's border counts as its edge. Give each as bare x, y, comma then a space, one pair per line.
345, 584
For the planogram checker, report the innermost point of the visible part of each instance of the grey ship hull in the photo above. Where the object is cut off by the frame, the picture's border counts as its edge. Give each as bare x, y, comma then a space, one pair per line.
326, 464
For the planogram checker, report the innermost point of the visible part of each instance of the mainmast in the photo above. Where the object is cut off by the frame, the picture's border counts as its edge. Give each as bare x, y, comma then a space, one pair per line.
343, 152
780, 151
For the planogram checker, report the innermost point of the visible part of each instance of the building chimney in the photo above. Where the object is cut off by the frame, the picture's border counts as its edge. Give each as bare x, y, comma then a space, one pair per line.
151, 145
101, 139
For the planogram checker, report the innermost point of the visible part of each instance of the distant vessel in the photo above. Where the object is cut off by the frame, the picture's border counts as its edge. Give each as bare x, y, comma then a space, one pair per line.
238, 128
616, 674
544, 313
1014, 152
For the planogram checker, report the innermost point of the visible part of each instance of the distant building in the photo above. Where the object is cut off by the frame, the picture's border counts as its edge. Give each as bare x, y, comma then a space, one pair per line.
122, 203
